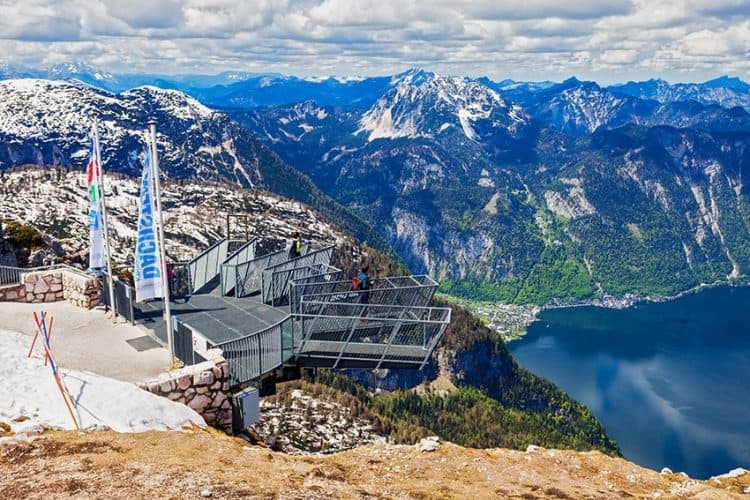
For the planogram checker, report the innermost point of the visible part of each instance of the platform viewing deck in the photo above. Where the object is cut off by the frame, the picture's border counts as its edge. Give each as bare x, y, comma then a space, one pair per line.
219, 318
267, 311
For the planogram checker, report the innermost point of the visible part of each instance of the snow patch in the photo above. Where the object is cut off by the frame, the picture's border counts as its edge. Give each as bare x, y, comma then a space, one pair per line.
491, 206
30, 400
463, 119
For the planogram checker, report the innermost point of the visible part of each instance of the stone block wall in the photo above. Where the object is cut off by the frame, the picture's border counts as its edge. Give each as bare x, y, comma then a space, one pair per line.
13, 293
55, 285
44, 286
203, 387
80, 290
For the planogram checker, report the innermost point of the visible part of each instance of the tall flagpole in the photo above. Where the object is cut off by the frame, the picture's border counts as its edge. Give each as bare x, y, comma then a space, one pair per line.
162, 251
98, 154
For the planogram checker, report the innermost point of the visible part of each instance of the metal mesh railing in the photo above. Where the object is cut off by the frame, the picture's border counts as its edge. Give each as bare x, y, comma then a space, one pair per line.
242, 254
186, 338
250, 274
124, 298
206, 266
371, 334
275, 279
407, 291
251, 356
10, 275
298, 285
281, 281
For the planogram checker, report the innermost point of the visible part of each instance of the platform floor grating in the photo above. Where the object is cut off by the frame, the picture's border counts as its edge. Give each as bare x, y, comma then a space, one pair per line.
218, 318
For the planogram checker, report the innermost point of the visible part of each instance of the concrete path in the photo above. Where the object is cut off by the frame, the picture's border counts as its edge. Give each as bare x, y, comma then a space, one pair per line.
88, 340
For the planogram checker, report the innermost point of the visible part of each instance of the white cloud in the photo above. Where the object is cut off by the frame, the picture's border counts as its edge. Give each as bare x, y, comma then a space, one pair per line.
533, 39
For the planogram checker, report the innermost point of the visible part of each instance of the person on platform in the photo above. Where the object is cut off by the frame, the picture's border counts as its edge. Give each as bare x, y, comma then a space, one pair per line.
295, 247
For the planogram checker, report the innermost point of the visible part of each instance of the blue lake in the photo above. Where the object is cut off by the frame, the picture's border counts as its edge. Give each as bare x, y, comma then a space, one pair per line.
669, 381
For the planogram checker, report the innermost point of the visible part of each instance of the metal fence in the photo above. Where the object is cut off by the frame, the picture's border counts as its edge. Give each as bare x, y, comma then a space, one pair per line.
186, 338
124, 298
369, 334
398, 290
10, 275
244, 253
298, 285
206, 266
250, 274
260, 352
275, 279
183, 342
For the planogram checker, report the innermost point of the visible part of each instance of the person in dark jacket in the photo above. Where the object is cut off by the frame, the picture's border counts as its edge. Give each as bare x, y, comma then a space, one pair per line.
364, 286
295, 248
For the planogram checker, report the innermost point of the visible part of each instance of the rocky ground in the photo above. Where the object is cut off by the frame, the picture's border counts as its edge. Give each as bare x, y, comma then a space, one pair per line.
198, 464
296, 422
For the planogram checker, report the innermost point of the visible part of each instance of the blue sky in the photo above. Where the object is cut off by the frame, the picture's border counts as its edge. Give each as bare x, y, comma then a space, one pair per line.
680, 40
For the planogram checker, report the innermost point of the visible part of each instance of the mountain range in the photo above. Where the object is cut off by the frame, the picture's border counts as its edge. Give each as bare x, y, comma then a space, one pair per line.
513, 191
557, 191
47, 123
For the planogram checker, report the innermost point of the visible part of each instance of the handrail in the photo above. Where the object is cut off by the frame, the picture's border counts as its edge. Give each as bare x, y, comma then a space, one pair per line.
249, 274
15, 272
247, 249
378, 333
387, 292
375, 311
259, 352
229, 273
201, 270
275, 278
344, 285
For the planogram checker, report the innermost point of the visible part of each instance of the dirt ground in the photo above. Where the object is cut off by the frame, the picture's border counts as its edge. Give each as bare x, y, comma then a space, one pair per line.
202, 464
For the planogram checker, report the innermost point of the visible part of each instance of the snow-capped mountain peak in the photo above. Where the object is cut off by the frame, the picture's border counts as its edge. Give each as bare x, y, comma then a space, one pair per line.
413, 76
46, 122
178, 104
423, 105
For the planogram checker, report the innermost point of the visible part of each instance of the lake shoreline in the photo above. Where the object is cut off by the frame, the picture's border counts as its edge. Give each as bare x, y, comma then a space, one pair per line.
666, 380
629, 300
511, 321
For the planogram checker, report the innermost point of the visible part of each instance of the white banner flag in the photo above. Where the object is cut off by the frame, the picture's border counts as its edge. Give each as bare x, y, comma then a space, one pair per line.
96, 226
148, 280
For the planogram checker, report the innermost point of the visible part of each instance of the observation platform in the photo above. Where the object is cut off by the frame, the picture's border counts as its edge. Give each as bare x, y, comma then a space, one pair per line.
267, 311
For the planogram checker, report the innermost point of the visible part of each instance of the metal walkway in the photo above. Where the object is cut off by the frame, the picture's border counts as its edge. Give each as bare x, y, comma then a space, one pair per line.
217, 318
296, 311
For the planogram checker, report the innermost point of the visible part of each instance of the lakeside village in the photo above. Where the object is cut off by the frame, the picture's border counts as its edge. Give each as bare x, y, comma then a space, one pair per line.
510, 321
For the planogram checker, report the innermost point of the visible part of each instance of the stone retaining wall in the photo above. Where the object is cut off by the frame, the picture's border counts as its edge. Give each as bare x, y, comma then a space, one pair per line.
80, 290
203, 387
44, 286
13, 293
55, 285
